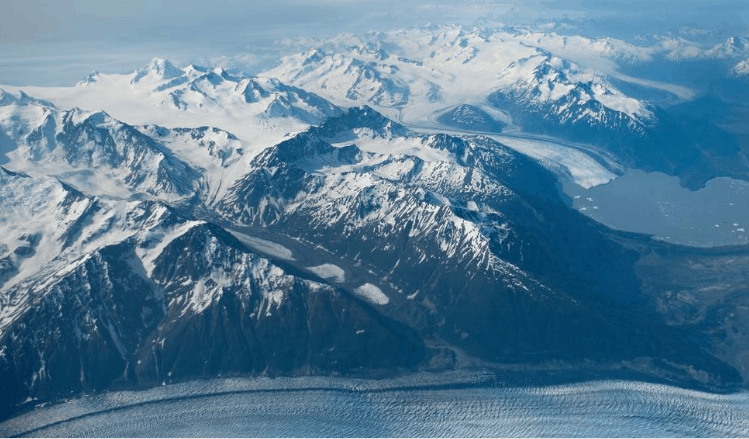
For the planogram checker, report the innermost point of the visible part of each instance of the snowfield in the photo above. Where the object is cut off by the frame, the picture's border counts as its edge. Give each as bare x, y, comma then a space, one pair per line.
329, 271
264, 246
373, 294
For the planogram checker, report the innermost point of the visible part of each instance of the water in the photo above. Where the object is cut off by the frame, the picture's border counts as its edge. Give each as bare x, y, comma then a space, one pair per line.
655, 204
304, 407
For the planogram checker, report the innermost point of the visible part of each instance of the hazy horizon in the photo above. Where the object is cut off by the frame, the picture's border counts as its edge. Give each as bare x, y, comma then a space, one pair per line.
58, 43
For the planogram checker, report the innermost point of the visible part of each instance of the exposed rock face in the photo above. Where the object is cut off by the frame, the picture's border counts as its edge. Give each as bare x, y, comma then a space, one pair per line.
205, 306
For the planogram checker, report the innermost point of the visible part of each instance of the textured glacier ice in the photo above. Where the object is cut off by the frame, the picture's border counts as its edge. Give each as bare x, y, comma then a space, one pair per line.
437, 406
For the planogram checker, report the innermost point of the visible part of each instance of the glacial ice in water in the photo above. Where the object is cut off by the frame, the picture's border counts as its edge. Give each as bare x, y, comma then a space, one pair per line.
654, 203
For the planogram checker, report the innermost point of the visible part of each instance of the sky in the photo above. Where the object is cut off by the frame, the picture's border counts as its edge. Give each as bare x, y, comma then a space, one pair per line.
57, 42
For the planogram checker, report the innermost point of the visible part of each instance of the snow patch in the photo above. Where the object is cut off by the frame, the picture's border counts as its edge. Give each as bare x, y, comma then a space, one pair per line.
264, 246
329, 271
372, 294
163, 237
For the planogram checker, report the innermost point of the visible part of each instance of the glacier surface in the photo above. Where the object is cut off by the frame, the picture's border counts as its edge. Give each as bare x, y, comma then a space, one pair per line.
421, 406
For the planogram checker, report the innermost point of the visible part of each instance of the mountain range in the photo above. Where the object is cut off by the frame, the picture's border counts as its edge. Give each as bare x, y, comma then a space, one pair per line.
350, 212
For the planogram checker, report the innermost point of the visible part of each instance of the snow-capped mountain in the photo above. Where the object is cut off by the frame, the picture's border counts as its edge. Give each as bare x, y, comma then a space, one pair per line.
732, 48
561, 93
181, 299
258, 110
741, 68
421, 211
81, 146
728, 54
537, 83
468, 117
366, 79
376, 178
192, 222
37, 213
207, 90
418, 68
101, 155
681, 49
424, 72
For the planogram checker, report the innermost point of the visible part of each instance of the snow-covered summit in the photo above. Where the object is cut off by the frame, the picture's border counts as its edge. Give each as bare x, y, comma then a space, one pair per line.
415, 74
681, 49
741, 68
258, 110
157, 69
732, 48
92, 151
8, 98
547, 79
89, 79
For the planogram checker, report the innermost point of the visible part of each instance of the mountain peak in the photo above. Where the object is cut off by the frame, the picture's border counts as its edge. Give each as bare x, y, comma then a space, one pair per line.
8, 98
732, 47
89, 79
741, 68
360, 117
158, 68
77, 116
313, 56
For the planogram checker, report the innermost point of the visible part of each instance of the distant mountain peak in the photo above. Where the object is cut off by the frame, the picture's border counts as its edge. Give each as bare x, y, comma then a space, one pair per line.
555, 80
89, 79
732, 47
158, 68
21, 98
77, 116
741, 68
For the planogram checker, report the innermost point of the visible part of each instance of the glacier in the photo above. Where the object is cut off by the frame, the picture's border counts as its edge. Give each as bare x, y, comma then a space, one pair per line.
464, 406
